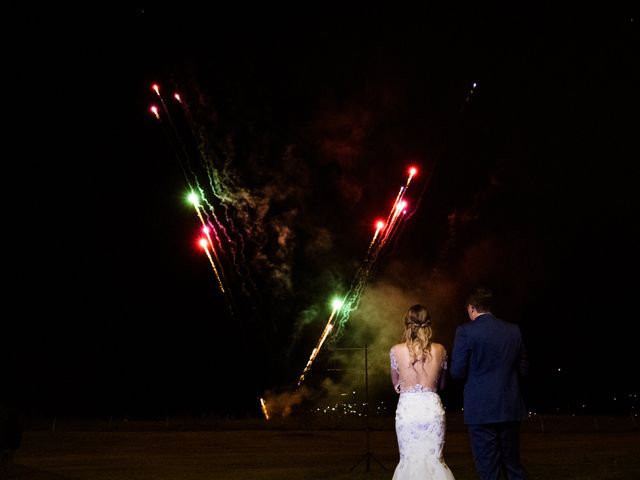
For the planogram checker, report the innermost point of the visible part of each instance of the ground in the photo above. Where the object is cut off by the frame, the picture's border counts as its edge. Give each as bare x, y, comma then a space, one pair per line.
591, 449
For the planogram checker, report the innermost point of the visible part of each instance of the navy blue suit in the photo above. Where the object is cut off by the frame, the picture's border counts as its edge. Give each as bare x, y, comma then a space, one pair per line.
488, 353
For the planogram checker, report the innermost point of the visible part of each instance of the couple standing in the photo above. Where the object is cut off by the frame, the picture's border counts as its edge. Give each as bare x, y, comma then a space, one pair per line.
489, 355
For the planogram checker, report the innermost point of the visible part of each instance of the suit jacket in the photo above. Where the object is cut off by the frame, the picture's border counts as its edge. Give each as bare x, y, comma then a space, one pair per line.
489, 354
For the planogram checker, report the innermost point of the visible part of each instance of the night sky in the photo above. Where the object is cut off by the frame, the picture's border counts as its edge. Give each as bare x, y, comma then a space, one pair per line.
526, 183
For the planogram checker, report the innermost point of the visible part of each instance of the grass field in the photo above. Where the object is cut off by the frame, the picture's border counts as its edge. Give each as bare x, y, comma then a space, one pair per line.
270, 453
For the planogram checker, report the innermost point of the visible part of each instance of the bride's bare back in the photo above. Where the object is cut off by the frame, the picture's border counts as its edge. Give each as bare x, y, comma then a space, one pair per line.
406, 375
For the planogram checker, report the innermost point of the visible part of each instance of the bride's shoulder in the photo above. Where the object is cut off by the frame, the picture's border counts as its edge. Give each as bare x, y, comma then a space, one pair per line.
398, 347
438, 347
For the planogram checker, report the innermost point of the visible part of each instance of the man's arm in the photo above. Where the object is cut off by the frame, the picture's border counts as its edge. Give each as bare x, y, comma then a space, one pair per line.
523, 360
460, 355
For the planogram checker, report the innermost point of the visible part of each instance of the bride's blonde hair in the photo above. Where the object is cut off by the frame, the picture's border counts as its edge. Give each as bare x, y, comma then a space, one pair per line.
418, 332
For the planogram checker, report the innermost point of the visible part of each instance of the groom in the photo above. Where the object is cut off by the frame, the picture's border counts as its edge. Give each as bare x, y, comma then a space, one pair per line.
489, 355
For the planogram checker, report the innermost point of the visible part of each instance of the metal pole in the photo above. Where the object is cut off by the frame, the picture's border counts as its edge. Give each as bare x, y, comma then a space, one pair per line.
366, 396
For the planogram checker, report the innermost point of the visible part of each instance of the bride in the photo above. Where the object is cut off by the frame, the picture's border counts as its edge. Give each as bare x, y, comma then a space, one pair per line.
417, 368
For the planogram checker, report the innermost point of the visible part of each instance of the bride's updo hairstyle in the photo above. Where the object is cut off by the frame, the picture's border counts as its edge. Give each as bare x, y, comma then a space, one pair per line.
418, 333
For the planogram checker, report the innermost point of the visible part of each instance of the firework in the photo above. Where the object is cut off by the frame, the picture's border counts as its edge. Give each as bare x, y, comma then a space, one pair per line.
263, 405
383, 233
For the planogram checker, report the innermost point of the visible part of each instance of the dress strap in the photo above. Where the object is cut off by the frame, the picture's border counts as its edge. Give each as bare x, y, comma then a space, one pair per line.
445, 361
394, 362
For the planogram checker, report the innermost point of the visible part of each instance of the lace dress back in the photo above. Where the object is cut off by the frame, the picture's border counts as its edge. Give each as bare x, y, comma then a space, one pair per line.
418, 375
420, 417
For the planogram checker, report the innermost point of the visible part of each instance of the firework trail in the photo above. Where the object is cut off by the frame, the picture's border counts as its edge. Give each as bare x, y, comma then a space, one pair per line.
470, 94
222, 184
154, 110
174, 138
204, 243
219, 186
209, 248
206, 229
263, 405
379, 241
379, 226
337, 304
188, 172
342, 309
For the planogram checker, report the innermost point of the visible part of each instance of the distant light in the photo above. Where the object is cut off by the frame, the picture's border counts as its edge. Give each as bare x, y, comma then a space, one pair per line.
156, 88
474, 84
203, 243
337, 304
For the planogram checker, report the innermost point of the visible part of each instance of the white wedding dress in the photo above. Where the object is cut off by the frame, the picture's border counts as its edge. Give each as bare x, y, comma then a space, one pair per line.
420, 428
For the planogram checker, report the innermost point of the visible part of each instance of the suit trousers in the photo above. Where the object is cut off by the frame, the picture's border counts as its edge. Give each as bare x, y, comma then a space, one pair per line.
495, 448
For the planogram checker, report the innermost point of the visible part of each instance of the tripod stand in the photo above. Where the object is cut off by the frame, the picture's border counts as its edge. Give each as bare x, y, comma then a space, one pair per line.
368, 456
